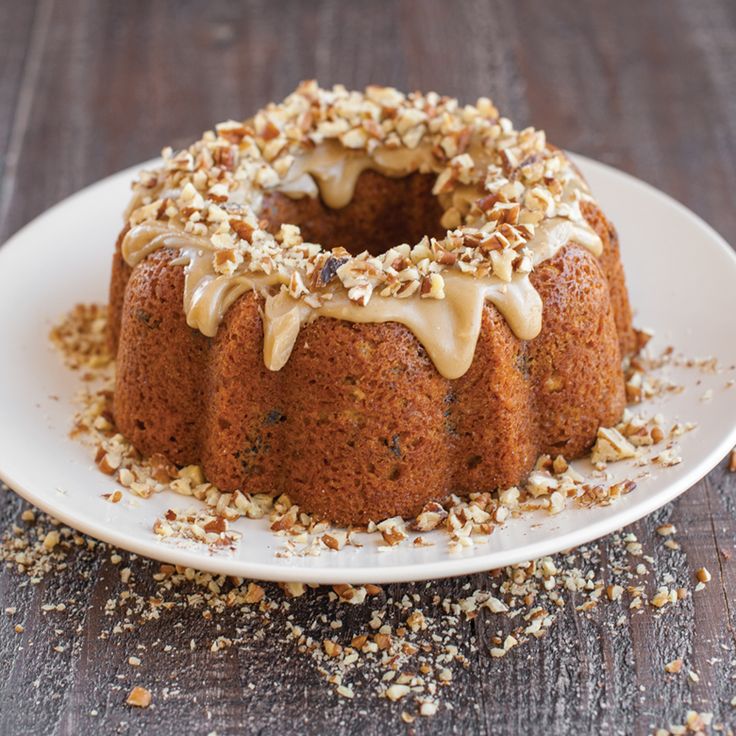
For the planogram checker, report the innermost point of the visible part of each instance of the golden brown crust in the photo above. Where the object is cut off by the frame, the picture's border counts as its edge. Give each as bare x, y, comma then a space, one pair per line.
365, 427
610, 262
119, 276
491, 412
161, 364
359, 425
575, 362
242, 428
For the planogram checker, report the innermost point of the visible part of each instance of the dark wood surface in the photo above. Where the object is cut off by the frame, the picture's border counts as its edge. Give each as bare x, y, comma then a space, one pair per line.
89, 87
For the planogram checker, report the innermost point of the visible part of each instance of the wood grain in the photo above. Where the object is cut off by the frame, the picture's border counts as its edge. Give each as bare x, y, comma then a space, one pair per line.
87, 88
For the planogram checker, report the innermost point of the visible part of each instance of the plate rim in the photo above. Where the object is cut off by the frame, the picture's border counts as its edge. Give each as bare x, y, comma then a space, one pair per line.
451, 565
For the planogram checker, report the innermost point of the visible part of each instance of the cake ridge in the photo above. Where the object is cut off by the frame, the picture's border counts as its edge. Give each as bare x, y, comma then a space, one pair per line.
366, 382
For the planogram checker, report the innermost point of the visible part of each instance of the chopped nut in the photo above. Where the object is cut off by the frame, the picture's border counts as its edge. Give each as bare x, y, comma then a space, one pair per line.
430, 517
349, 594
383, 641
139, 697
416, 621
662, 597
332, 648
541, 483
667, 458
293, 590
345, 691
109, 462
393, 531
51, 539
433, 287
611, 446
254, 594
396, 692
330, 541
358, 642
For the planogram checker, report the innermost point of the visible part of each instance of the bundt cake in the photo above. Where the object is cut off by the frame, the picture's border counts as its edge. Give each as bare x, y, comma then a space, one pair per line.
273, 322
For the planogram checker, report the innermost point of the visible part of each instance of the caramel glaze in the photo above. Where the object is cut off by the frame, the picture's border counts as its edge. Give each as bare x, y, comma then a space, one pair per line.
447, 328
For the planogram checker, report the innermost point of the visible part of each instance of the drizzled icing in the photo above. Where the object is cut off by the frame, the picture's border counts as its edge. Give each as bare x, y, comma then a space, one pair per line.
447, 328
331, 172
447, 324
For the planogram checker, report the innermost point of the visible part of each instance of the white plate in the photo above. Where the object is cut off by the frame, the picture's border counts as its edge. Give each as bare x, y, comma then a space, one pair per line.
682, 280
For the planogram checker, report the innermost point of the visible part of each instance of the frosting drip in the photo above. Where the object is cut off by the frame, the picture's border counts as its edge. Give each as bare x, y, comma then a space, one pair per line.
509, 201
331, 171
448, 328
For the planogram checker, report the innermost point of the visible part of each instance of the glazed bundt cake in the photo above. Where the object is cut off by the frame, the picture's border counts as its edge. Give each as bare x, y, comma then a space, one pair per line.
368, 301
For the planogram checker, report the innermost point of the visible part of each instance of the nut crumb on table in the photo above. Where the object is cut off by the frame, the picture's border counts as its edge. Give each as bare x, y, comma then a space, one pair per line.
409, 661
139, 697
407, 650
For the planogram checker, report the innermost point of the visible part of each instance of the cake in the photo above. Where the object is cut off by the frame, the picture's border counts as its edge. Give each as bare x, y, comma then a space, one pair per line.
367, 301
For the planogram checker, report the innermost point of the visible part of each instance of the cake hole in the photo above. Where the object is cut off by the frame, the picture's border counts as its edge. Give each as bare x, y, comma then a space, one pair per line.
140, 425
395, 473
384, 212
223, 424
474, 461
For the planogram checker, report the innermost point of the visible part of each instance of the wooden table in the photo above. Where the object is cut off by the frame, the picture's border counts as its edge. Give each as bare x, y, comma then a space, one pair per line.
87, 88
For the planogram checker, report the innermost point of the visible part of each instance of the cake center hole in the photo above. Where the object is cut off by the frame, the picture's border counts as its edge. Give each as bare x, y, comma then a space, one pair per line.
384, 212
